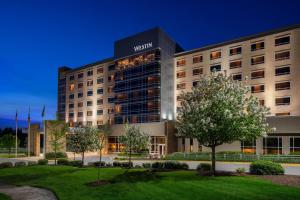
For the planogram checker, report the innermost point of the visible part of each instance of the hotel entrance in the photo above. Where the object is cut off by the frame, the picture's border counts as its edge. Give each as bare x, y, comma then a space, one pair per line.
158, 146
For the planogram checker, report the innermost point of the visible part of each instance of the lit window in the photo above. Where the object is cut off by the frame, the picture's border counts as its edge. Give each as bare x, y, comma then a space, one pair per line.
80, 104
283, 114
257, 74
272, 145
197, 71
257, 46
181, 74
257, 88
257, 60
72, 87
180, 62
235, 51
89, 83
215, 55
197, 59
248, 146
280, 101
235, 64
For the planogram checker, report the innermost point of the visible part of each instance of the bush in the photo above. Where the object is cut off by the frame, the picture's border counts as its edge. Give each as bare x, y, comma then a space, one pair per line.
157, 165
96, 164
63, 161
170, 165
20, 164
116, 164
6, 165
205, 167
240, 170
43, 162
51, 155
108, 165
75, 163
126, 164
138, 166
146, 165
264, 167
32, 163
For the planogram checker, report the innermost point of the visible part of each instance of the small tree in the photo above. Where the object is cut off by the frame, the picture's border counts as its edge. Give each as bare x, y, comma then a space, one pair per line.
103, 133
57, 131
85, 139
220, 110
134, 140
8, 141
73, 144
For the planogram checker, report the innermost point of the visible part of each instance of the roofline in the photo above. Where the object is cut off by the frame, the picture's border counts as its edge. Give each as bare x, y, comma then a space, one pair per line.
241, 39
91, 65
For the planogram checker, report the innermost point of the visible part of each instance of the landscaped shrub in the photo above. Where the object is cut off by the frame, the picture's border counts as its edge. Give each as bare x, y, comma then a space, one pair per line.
240, 170
63, 161
75, 163
32, 163
170, 165
126, 164
20, 164
43, 162
108, 165
204, 167
116, 164
146, 165
157, 165
96, 164
137, 166
264, 167
51, 155
6, 165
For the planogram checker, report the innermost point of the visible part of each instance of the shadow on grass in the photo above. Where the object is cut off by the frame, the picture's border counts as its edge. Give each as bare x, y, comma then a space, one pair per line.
136, 176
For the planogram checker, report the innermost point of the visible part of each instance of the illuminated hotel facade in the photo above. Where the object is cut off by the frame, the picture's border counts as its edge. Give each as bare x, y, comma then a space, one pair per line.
142, 82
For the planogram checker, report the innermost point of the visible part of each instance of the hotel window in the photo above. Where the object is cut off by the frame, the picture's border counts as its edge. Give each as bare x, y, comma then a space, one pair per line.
257, 60
80, 104
80, 75
181, 74
111, 99
80, 95
257, 88
89, 113
89, 93
294, 145
261, 102
237, 77
100, 91
71, 115
248, 146
282, 55
257, 46
110, 111
99, 101
197, 59
180, 86
71, 96
110, 89
99, 112
80, 114
282, 70
110, 78
235, 51
257, 74
215, 68
195, 83
118, 108
282, 40
111, 67
283, 86
281, 101
89, 103
90, 73
235, 64
99, 70
79, 124
215, 55
80, 85
99, 122
180, 62
71, 105
197, 71
71, 87
89, 83
191, 144
89, 123
272, 145
71, 78
283, 114
100, 80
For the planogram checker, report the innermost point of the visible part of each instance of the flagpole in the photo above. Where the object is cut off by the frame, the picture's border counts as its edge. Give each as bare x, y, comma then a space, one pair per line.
28, 132
44, 138
16, 134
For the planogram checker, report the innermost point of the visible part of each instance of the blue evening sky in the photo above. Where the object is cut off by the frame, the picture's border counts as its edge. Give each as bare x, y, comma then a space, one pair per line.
38, 36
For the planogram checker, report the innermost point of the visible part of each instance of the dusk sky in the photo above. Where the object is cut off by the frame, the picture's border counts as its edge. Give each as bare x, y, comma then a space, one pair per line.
38, 36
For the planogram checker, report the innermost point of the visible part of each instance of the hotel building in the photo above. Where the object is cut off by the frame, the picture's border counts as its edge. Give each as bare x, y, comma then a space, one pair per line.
142, 82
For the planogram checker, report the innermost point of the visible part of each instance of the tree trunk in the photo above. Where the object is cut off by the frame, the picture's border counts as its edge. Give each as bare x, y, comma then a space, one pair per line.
82, 158
213, 160
129, 158
100, 159
55, 156
74, 155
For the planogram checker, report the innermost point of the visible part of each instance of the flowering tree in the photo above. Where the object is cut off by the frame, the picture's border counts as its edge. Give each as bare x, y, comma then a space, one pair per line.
220, 110
134, 140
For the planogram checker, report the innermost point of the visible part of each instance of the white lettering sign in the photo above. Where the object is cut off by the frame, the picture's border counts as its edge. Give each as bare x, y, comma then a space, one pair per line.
142, 47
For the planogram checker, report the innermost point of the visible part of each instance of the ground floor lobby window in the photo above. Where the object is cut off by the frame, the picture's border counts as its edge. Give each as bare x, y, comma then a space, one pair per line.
272, 145
248, 146
114, 145
295, 145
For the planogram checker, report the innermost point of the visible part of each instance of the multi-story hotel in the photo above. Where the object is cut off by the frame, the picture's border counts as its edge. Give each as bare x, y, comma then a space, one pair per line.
141, 84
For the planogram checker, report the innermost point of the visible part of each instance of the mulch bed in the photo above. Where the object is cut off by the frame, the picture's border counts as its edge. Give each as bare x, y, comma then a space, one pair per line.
288, 180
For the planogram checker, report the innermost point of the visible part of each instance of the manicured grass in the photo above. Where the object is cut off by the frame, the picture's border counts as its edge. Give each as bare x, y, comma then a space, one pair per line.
69, 183
12, 155
4, 197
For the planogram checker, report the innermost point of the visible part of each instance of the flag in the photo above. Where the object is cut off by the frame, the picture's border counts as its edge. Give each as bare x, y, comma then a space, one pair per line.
29, 115
43, 112
16, 115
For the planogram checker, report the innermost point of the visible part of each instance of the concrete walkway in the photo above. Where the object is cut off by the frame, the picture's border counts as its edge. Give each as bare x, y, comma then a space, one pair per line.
26, 193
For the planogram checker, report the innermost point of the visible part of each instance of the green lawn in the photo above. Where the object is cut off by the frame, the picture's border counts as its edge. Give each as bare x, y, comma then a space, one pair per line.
4, 197
12, 155
69, 183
